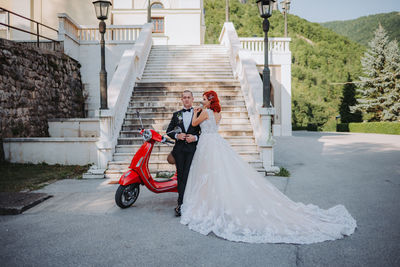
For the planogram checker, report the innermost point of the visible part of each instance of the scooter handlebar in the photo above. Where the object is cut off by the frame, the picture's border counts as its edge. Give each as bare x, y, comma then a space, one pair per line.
165, 140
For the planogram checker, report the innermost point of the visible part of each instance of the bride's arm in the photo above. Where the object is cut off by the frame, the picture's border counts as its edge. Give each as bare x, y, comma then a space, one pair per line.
197, 119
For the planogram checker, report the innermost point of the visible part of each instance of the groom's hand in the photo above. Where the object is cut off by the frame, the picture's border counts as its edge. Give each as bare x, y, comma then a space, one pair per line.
181, 136
190, 138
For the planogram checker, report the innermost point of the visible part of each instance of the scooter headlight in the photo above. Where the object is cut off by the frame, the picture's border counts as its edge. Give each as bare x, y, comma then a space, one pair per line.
147, 135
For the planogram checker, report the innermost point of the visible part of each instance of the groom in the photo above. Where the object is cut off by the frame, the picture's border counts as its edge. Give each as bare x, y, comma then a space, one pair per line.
185, 144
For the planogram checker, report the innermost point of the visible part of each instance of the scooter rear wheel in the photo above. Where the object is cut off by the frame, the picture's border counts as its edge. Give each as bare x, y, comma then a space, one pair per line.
126, 195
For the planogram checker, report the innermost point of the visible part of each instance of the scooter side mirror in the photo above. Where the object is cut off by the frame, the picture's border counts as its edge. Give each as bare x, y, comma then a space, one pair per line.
140, 118
177, 130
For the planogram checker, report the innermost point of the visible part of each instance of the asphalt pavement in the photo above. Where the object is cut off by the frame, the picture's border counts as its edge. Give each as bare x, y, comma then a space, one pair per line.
81, 225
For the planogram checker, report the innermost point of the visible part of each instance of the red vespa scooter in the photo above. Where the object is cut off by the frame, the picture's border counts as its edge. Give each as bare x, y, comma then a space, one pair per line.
139, 174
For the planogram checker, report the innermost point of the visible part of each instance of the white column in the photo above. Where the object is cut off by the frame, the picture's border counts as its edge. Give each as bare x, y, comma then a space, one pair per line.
266, 142
104, 145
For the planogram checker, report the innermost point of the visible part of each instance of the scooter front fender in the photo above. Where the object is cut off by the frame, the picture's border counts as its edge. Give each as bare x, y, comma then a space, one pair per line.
130, 177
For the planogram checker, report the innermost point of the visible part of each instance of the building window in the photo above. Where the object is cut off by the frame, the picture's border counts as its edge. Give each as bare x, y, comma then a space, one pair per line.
158, 25
157, 6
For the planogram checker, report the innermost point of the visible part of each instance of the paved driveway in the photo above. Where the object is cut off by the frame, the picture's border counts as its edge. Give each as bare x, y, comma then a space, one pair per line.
82, 226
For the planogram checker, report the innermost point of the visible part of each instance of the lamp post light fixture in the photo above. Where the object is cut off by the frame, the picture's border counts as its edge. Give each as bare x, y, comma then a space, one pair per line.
102, 9
265, 9
285, 7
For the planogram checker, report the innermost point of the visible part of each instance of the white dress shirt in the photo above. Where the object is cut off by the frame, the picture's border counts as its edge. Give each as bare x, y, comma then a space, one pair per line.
187, 120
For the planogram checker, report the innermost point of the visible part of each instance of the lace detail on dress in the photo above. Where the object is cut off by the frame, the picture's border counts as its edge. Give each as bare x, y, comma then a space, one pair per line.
225, 195
209, 125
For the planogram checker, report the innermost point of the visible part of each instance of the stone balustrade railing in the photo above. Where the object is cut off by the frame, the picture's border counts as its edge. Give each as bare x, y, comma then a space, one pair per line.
114, 33
256, 44
245, 69
91, 34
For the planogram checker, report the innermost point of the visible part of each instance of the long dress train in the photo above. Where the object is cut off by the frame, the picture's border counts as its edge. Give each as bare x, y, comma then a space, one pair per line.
227, 196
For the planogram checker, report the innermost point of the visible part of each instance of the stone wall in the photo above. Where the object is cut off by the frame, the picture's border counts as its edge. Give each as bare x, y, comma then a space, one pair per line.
36, 85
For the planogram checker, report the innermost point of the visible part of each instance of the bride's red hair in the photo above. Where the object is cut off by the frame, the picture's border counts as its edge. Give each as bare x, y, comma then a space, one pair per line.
214, 101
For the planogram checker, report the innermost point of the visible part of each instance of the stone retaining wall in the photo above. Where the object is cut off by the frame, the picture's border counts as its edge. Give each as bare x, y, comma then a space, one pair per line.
36, 85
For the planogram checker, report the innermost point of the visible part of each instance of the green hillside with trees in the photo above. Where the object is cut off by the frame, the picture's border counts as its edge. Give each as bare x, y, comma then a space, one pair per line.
322, 59
361, 30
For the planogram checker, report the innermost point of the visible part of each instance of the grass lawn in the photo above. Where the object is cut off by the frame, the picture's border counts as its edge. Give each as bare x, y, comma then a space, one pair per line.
15, 177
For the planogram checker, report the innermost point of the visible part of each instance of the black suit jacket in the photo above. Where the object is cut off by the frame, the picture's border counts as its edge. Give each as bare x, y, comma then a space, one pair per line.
180, 145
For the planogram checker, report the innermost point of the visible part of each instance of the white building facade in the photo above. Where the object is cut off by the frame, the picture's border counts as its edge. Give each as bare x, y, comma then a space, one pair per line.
175, 22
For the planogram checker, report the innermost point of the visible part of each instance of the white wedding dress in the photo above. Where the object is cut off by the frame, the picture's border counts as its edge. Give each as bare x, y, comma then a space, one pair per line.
226, 196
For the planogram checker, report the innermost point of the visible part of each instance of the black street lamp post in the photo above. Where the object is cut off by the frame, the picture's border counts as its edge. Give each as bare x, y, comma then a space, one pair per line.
102, 8
148, 11
265, 8
285, 8
227, 10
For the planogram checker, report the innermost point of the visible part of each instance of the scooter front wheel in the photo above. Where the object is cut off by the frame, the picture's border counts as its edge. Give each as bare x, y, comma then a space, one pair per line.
126, 195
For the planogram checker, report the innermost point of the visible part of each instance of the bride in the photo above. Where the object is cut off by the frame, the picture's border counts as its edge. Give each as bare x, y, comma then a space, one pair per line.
226, 196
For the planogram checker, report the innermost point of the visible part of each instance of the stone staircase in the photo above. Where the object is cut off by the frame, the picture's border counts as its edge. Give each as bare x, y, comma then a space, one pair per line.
169, 71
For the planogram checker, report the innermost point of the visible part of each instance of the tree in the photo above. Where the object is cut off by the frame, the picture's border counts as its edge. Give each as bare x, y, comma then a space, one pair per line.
391, 75
348, 99
380, 92
372, 85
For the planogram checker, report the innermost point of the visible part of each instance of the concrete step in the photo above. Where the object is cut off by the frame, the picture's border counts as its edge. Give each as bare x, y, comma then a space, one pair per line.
164, 148
134, 122
193, 72
189, 76
178, 80
187, 61
178, 93
158, 55
199, 90
171, 109
186, 57
180, 77
224, 133
194, 53
168, 115
185, 84
207, 68
130, 124
233, 140
178, 105
177, 98
182, 47
188, 65
162, 156
130, 137
134, 132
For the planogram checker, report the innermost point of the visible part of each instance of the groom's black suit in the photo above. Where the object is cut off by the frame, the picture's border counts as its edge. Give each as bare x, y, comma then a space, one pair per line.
183, 151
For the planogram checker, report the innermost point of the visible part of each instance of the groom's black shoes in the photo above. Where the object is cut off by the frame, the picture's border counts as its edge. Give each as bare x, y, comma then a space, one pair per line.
178, 211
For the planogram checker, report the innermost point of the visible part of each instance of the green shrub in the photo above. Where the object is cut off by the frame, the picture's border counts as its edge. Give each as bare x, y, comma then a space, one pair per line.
342, 127
370, 127
283, 172
312, 127
330, 125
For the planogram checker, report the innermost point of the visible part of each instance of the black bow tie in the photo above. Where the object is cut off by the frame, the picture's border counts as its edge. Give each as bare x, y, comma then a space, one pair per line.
188, 110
